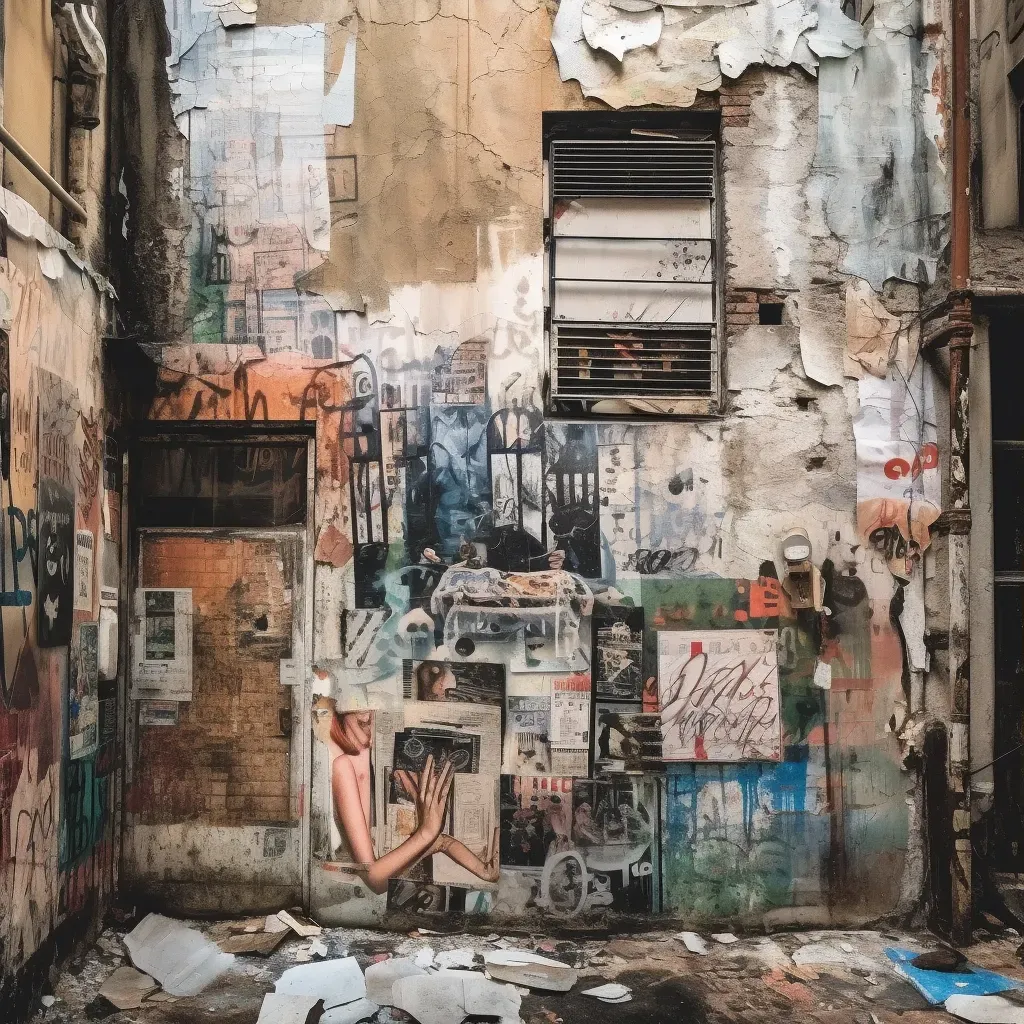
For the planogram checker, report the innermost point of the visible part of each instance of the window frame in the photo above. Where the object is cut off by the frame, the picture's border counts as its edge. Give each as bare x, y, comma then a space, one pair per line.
584, 125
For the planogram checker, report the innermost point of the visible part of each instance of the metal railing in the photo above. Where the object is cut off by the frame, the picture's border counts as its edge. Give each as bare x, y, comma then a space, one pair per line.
54, 187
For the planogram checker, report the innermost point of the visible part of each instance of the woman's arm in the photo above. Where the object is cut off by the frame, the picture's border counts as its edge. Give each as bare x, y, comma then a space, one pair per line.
486, 868
431, 798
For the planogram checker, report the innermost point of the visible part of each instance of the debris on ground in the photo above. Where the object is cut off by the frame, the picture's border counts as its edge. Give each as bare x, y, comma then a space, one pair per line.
693, 942
304, 927
531, 970
336, 981
290, 1009
127, 988
938, 986
181, 958
994, 1009
381, 977
610, 993
450, 996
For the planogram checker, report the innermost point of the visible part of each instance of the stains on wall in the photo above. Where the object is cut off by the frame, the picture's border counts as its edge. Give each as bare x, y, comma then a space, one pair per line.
491, 587
57, 717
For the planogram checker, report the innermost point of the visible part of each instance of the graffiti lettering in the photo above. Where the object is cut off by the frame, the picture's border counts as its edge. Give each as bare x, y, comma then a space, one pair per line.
721, 704
648, 562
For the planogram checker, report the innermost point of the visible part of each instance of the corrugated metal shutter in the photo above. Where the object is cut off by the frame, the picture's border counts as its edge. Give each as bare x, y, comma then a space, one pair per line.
632, 285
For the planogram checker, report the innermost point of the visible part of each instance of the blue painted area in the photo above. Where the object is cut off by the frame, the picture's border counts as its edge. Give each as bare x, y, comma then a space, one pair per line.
741, 839
938, 986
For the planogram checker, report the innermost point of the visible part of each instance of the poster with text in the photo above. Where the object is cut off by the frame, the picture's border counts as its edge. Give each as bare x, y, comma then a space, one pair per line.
85, 544
719, 695
162, 644
58, 402
83, 693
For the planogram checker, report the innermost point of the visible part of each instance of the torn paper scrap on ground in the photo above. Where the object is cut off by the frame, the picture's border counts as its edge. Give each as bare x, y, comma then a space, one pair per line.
693, 942
290, 1009
126, 988
182, 959
938, 986
336, 982
610, 993
521, 967
986, 1009
381, 977
452, 995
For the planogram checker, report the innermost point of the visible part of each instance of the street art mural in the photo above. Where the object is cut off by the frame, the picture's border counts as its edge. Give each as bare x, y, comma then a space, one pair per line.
554, 667
57, 717
522, 712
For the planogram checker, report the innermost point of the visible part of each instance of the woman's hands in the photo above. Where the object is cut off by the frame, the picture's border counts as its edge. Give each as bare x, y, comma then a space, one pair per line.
429, 791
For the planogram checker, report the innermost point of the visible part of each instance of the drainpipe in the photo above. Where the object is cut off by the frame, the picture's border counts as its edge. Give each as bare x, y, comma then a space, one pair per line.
959, 512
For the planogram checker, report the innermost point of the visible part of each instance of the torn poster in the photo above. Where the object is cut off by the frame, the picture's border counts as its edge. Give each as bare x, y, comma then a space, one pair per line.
871, 332
414, 792
626, 740
58, 411
83, 693
527, 748
85, 544
158, 712
719, 695
162, 644
898, 483
260, 209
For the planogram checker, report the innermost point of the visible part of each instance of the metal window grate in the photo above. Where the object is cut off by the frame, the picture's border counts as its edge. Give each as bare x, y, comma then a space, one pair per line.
596, 361
634, 167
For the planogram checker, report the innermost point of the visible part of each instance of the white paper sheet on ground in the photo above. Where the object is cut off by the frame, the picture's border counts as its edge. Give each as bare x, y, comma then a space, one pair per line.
693, 942
289, 1009
985, 1009
521, 967
826, 953
725, 938
513, 957
450, 995
381, 977
336, 982
452, 958
350, 1013
182, 959
424, 957
610, 993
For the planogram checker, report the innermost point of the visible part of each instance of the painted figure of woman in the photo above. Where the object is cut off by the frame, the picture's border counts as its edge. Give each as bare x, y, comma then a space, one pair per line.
348, 737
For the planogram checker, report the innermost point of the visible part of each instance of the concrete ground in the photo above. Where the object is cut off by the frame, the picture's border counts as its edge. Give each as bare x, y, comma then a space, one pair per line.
835, 978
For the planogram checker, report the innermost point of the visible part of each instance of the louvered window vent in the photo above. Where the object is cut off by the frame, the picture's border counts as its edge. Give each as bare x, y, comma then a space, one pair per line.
632, 260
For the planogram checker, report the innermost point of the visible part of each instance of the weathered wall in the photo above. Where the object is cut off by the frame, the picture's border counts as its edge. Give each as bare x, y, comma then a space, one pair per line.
60, 484
61, 500
404, 316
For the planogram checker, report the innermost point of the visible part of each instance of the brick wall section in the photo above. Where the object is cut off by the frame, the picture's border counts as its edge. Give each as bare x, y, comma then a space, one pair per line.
741, 305
227, 760
736, 97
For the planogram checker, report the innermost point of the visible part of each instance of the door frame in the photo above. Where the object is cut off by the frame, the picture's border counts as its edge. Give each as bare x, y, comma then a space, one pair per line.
133, 534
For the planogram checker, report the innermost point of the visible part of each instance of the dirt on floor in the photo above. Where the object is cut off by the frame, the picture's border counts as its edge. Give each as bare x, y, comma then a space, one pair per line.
833, 977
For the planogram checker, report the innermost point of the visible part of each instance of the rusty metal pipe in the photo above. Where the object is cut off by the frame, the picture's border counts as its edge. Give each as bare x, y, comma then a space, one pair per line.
961, 320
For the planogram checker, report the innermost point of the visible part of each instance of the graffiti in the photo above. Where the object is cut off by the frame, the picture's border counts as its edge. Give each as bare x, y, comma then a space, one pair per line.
648, 563
34, 856
89, 461
719, 695
85, 807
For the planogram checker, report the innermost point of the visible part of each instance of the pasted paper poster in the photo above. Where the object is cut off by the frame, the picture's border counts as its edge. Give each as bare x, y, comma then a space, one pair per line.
58, 403
898, 475
719, 695
83, 693
84, 546
162, 643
